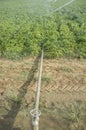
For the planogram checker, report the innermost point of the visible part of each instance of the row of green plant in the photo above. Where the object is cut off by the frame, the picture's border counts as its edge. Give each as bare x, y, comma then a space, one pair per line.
62, 34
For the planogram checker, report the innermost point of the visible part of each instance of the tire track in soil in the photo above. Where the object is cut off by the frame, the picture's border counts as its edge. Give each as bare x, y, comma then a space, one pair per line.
60, 90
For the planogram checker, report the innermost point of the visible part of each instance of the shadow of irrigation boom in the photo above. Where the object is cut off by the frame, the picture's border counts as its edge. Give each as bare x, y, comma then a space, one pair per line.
6, 123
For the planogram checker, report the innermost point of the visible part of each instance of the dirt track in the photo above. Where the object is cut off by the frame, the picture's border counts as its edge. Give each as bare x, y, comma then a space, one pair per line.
63, 82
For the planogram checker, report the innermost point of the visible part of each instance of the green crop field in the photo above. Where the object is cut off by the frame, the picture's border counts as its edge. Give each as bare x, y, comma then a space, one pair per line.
26, 25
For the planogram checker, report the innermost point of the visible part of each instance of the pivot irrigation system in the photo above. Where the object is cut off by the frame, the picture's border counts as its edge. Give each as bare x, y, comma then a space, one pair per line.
35, 113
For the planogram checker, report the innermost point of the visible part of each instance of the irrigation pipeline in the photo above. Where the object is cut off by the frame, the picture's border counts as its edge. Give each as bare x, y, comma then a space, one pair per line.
59, 8
35, 113
39, 83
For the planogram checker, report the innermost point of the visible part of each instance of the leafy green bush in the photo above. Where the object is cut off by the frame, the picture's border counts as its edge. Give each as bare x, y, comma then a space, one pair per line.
23, 33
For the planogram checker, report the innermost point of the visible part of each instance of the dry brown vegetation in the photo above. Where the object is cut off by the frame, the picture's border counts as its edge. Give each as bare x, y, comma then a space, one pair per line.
63, 94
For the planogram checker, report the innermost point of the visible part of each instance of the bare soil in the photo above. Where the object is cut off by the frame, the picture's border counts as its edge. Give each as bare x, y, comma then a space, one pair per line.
62, 99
